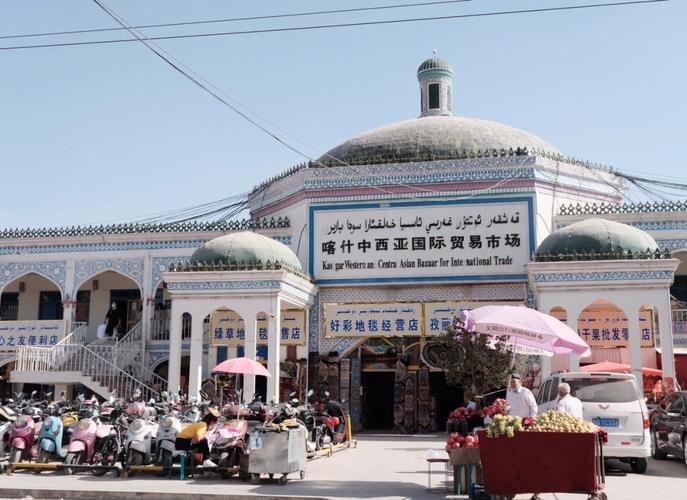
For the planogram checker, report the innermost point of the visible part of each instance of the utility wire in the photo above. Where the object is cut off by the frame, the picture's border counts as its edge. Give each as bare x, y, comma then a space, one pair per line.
235, 19
330, 26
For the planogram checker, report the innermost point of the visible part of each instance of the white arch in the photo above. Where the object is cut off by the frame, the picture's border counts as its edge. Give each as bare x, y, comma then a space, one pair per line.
39, 273
7, 361
78, 286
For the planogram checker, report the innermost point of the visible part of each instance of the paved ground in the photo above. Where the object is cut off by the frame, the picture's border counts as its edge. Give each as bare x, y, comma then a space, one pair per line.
381, 467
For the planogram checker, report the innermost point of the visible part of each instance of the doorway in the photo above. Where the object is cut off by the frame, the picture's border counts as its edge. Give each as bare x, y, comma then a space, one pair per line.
378, 400
447, 397
50, 306
128, 304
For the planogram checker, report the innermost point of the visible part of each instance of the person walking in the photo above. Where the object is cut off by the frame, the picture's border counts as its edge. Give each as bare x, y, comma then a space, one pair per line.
520, 399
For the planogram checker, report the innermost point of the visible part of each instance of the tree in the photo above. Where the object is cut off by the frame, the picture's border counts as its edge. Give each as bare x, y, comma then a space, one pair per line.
479, 363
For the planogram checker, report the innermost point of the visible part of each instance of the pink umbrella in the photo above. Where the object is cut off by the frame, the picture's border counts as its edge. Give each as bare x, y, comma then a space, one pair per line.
242, 366
525, 327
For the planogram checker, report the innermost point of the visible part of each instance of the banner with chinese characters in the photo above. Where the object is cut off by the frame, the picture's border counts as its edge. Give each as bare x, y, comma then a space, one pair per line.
439, 315
229, 329
39, 333
472, 240
601, 328
370, 320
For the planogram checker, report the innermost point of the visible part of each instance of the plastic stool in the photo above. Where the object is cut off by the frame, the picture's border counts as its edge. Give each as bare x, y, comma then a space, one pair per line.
458, 477
444, 462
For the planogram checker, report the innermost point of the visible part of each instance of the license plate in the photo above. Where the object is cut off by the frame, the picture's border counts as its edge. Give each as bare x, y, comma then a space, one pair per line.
606, 422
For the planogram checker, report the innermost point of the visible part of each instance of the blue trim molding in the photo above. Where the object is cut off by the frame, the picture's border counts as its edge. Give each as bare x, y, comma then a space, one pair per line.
223, 285
86, 269
101, 247
676, 244
55, 271
161, 265
604, 276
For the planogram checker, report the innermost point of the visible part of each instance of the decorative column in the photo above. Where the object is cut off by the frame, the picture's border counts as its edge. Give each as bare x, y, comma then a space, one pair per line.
69, 295
249, 349
174, 375
195, 372
273, 351
665, 328
147, 301
635, 344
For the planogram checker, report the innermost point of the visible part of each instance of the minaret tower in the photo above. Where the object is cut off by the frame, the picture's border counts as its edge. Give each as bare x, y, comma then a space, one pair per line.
436, 87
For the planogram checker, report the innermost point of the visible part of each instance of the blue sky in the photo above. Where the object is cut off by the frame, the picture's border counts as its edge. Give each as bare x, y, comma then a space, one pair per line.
103, 132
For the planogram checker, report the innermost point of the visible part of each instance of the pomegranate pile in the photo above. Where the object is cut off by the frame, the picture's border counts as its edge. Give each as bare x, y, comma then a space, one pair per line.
456, 441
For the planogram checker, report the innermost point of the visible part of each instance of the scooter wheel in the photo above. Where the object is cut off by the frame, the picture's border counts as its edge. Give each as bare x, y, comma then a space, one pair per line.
282, 480
271, 475
302, 474
255, 479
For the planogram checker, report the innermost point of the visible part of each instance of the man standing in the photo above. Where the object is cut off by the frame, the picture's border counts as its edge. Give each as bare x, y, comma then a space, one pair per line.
567, 403
520, 399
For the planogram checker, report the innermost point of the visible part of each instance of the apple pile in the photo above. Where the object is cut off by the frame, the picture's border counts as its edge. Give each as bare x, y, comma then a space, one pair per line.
499, 407
504, 425
556, 421
461, 414
455, 441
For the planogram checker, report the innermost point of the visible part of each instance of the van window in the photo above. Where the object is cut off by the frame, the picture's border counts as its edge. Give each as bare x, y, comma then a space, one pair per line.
553, 390
603, 389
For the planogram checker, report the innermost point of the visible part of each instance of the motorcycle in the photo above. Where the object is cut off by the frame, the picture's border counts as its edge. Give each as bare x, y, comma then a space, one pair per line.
166, 438
331, 418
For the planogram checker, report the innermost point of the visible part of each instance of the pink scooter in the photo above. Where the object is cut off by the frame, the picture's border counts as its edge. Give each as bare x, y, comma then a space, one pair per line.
22, 435
82, 442
228, 439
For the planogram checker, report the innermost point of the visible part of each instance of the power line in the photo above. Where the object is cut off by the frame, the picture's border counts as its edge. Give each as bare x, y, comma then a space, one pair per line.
341, 25
235, 19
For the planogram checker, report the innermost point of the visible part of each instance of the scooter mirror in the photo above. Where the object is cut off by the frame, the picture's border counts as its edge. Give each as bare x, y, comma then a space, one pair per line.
152, 401
310, 392
112, 399
292, 394
295, 401
81, 398
326, 393
33, 393
48, 394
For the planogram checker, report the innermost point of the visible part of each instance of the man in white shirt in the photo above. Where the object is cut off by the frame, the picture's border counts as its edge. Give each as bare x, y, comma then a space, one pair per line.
520, 399
568, 403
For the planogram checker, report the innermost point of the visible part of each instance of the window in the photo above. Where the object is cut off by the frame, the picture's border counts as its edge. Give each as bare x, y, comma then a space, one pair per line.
434, 96
678, 405
543, 395
604, 389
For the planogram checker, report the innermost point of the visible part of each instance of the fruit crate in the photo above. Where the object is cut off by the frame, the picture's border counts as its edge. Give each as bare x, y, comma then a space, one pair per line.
543, 462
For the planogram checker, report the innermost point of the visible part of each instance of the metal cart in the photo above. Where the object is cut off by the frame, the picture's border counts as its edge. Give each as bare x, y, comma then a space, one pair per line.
277, 452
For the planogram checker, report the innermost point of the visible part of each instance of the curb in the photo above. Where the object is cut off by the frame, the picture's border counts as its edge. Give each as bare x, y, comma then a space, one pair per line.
45, 494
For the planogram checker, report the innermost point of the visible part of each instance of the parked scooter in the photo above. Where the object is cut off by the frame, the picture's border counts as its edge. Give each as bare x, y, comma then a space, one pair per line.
141, 438
107, 439
23, 434
228, 440
166, 438
82, 442
7, 416
50, 444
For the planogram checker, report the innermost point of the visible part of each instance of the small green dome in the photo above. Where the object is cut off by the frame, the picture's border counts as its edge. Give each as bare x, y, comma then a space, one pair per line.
600, 236
245, 247
435, 63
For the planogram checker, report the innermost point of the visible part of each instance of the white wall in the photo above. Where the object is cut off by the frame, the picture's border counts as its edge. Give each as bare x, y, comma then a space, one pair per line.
29, 300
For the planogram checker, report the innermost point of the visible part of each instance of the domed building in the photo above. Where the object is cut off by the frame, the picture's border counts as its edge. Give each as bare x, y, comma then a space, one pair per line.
349, 265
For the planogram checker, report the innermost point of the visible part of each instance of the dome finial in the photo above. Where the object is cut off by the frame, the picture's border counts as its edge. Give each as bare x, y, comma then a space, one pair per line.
436, 86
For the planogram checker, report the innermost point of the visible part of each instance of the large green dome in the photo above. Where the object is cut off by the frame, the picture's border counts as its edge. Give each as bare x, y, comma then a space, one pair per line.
599, 236
244, 248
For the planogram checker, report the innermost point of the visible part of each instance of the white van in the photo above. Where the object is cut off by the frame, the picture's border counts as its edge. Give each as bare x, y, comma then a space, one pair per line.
612, 402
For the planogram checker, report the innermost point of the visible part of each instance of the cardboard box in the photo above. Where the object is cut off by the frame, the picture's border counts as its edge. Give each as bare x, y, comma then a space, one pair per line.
464, 456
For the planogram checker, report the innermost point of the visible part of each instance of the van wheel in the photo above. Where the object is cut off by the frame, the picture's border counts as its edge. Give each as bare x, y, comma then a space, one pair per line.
656, 452
638, 465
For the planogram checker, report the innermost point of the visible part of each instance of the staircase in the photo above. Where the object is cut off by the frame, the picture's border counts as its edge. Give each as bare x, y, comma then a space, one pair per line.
95, 365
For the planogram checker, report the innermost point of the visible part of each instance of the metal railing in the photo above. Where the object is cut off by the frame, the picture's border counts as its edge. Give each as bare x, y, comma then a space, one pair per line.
72, 355
160, 326
679, 319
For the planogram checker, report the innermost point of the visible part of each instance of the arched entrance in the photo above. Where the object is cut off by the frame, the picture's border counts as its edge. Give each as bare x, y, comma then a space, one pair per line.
162, 370
31, 296
97, 295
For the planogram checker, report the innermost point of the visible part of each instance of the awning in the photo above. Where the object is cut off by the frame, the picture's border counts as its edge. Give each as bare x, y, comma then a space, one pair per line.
676, 351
